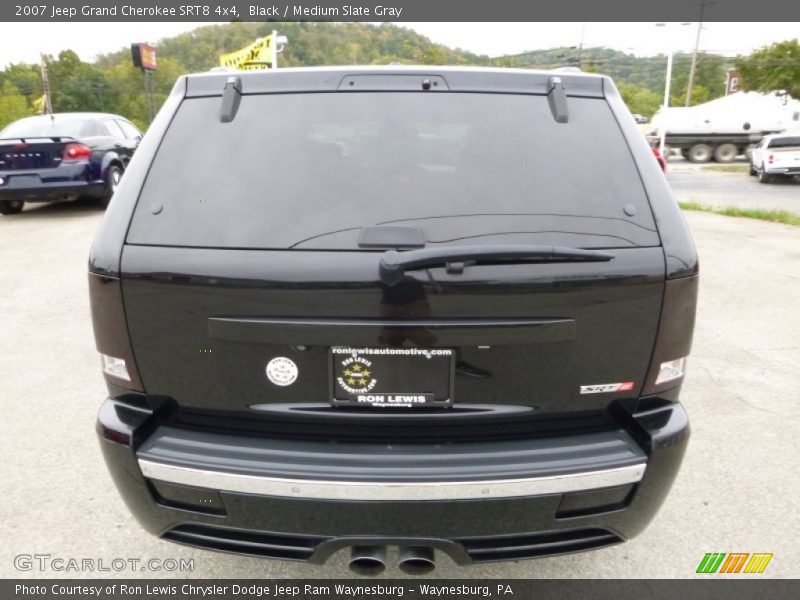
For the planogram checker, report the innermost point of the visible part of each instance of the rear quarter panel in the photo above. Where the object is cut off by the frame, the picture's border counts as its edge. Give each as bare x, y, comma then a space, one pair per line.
104, 257
679, 251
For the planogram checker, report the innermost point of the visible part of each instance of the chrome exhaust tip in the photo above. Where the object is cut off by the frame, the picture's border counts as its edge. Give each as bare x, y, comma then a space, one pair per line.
416, 560
368, 560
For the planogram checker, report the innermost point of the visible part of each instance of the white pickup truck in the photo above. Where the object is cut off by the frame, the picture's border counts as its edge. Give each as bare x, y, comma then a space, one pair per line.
777, 154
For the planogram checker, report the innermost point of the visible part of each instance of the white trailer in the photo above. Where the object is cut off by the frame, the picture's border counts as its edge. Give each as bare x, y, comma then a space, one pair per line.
727, 127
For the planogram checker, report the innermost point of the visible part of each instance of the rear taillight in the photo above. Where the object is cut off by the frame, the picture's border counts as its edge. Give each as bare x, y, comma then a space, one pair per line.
115, 367
674, 338
771, 158
75, 152
111, 332
671, 370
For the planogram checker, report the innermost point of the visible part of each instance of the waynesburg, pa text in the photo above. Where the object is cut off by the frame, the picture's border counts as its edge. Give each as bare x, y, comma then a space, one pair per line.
272, 590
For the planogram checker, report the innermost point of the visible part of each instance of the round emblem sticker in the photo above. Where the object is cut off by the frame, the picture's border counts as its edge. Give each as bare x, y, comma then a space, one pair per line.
356, 375
282, 371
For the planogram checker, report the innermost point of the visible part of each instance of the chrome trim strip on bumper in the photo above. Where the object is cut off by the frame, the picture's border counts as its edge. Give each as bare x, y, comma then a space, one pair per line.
391, 490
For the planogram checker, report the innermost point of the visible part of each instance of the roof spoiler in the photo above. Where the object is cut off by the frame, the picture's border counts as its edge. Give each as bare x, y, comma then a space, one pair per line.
27, 139
231, 96
557, 99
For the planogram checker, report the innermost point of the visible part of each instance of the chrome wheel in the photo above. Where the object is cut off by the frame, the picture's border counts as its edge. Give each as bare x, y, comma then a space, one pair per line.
116, 176
726, 153
699, 153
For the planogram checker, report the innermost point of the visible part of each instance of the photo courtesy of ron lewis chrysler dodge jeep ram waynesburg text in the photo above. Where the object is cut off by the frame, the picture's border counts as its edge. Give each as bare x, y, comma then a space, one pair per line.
435, 317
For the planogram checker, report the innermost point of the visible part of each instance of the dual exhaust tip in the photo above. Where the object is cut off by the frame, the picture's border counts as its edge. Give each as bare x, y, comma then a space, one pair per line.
412, 560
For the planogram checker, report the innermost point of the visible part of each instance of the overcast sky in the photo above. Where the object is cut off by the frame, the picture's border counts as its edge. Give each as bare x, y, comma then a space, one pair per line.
22, 42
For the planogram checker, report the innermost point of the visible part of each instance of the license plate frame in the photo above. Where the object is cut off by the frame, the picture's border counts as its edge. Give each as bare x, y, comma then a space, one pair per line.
409, 378
24, 181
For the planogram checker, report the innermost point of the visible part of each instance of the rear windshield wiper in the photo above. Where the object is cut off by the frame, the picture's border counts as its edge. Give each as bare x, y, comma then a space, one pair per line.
394, 264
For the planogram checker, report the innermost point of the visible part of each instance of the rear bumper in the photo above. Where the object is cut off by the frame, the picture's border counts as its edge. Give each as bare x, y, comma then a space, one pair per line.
476, 502
783, 170
394, 491
64, 182
54, 192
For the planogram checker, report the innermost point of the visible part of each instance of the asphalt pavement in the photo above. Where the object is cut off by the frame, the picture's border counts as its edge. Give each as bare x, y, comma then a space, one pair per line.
737, 490
707, 185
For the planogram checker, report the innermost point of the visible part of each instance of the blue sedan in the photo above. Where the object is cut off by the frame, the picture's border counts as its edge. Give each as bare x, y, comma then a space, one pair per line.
63, 157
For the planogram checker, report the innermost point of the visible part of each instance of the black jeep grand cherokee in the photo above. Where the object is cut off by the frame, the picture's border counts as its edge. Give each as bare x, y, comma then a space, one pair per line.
436, 308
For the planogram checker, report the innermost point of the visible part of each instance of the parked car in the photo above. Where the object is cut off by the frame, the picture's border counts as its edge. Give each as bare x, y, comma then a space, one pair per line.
640, 119
362, 307
62, 157
777, 155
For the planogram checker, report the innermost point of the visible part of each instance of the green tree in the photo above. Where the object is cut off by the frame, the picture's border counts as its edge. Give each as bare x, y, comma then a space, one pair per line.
775, 67
640, 100
709, 79
13, 105
26, 79
644, 72
125, 89
434, 56
700, 94
112, 84
75, 85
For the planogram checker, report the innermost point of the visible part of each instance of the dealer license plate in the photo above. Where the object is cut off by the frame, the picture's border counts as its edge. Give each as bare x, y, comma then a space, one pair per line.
392, 377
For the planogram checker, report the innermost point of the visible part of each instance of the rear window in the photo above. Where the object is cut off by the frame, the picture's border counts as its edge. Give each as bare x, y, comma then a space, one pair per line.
785, 142
46, 127
311, 170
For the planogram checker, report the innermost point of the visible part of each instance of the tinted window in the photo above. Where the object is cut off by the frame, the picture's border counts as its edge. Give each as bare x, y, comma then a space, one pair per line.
93, 129
310, 170
114, 129
785, 142
45, 127
130, 131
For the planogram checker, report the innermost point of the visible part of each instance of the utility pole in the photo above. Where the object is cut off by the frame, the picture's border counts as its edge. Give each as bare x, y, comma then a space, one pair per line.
149, 94
693, 68
47, 105
663, 133
144, 56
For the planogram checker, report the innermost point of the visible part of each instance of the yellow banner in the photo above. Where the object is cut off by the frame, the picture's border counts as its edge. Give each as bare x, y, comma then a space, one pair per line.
38, 105
257, 55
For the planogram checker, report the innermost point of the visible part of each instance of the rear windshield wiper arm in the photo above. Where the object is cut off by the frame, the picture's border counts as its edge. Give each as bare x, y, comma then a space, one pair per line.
394, 264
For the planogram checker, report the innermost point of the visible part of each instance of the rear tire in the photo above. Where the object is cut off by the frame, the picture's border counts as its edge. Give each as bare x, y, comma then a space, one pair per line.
753, 172
726, 153
11, 207
113, 177
763, 176
699, 153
